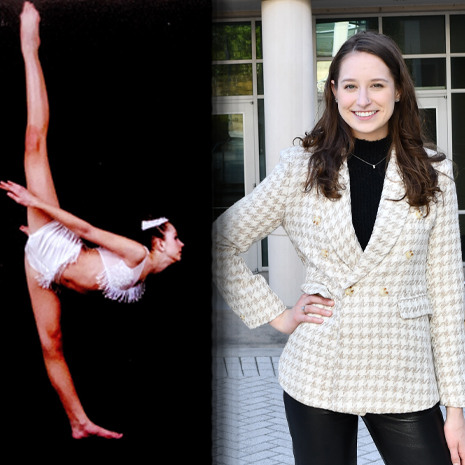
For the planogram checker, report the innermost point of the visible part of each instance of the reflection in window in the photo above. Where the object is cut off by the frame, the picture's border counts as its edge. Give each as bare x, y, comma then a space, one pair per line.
322, 71
262, 164
457, 37
234, 60
458, 150
462, 232
330, 35
417, 34
260, 89
258, 39
428, 123
428, 72
458, 144
232, 80
458, 72
227, 161
232, 41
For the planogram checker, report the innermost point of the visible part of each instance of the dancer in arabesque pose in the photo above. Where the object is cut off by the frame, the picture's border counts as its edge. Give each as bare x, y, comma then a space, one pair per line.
55, 254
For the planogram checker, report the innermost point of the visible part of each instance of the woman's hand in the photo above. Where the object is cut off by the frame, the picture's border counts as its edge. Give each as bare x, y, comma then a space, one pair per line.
304, 311
19, 194
454, 430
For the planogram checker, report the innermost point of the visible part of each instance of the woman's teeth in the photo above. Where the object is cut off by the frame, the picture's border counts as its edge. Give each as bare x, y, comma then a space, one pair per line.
364, 114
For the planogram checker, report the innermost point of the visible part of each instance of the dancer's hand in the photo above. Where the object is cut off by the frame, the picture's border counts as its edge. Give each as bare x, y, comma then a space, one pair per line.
304, 311
30, 19
19, 194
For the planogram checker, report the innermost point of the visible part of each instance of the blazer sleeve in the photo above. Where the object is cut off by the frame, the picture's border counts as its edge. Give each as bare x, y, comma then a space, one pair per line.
249, 220
446, 290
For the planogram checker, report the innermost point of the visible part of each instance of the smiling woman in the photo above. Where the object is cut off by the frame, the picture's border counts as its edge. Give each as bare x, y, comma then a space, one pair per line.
388, 91
372, 214
366, 95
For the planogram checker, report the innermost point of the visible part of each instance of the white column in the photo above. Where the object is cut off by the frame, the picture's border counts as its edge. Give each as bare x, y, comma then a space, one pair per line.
290, 109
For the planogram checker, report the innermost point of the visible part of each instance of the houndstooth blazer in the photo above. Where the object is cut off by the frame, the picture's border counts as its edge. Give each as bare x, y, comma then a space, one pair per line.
396, 340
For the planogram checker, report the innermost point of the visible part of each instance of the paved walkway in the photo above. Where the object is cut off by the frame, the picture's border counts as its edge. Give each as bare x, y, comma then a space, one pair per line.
249, 423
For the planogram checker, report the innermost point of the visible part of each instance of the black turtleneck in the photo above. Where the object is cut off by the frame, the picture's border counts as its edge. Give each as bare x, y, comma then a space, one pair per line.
366, 184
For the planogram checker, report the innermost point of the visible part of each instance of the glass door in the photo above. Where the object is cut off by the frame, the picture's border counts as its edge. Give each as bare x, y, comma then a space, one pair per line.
433, 111
234, 173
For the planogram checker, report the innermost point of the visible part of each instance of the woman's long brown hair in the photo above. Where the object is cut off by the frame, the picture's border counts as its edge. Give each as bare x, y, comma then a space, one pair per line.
331, 139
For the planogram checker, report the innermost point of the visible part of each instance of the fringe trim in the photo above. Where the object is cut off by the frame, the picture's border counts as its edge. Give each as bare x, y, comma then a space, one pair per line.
133, 294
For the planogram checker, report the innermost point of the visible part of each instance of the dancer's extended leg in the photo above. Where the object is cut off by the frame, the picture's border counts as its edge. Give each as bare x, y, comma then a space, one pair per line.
47, 313
36, 165
45, 303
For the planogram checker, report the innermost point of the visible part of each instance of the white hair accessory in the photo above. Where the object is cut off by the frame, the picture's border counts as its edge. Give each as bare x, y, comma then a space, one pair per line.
153, 223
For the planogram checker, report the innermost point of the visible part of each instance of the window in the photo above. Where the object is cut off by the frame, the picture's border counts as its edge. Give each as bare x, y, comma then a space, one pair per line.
458, 72
330, 35
427, 73
237, 77
458, 149
457, 48
457, 37
417, 34
237, 59
419, 38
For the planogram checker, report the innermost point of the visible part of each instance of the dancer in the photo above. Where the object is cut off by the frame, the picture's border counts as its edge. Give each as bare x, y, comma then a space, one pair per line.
55, 253
379, 330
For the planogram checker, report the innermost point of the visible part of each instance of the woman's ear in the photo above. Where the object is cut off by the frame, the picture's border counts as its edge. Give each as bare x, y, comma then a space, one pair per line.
333, 89
158, 244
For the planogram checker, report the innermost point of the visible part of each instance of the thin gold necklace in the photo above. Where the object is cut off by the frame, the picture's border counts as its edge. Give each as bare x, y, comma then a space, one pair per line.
368, 163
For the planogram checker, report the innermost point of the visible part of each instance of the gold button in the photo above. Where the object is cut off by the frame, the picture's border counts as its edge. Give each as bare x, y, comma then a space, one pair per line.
316, 220
409, 254
383, 291
242, 317
418, 213
350, 290
324, 253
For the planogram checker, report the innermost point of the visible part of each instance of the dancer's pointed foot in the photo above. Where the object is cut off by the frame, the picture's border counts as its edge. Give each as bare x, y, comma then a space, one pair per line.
90, 429
30, 20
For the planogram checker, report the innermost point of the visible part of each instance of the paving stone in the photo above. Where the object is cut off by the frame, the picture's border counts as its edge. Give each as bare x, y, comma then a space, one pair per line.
249, 421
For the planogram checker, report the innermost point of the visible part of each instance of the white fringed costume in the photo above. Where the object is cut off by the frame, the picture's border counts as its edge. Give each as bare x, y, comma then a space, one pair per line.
53, 247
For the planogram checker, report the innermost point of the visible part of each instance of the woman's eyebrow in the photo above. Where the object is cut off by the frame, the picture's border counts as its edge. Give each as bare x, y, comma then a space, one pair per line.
371, 80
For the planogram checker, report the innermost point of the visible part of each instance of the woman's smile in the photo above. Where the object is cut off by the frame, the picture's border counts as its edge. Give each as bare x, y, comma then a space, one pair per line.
365, 114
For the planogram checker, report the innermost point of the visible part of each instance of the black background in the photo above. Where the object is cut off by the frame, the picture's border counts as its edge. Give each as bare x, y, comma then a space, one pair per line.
129, 91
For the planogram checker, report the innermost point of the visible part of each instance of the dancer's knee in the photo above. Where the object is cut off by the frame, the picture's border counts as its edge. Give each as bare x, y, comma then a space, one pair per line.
52, 344
35, 138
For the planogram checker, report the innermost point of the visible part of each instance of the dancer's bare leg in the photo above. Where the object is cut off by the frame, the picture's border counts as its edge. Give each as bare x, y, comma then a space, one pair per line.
38, 175
45, 303
47, 312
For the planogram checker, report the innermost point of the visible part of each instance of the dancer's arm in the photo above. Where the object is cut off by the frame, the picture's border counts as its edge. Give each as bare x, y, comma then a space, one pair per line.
130, 251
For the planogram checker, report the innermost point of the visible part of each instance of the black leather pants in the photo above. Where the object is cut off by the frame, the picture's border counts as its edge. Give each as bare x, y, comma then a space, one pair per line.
322, 437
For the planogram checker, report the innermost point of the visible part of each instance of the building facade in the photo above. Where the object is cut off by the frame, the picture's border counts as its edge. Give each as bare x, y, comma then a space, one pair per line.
270, 62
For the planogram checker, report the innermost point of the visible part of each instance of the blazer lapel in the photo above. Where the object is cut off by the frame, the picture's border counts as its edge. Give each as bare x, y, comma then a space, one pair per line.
339, 226
388, 225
